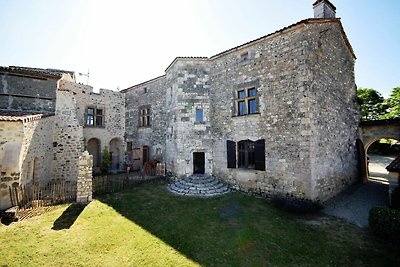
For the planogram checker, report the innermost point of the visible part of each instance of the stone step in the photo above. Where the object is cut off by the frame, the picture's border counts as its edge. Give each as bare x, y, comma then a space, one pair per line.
198, 186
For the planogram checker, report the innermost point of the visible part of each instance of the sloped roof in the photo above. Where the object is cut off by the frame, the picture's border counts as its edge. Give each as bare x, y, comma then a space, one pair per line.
36, 72
394, 166
290, 27
22, 116
281, 31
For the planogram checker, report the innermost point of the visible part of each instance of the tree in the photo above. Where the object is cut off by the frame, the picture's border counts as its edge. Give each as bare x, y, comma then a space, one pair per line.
393, 105
372, 104
106, 162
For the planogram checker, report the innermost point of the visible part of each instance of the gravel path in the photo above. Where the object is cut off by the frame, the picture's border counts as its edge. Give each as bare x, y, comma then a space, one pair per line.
354, 204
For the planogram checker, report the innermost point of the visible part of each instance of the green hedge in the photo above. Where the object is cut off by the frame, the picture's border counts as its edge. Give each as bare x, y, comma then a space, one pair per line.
395, 198
385, 223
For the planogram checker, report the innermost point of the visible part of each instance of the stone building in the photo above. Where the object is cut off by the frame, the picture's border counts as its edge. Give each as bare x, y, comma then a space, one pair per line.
277, 115
47, 120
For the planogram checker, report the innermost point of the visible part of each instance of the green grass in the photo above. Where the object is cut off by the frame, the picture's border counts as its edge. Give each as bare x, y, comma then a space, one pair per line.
148, 226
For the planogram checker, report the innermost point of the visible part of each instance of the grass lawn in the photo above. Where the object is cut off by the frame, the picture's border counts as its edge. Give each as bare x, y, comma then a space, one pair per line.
148, 226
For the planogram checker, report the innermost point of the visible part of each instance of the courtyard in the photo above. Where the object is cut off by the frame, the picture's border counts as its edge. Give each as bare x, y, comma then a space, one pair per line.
149, 226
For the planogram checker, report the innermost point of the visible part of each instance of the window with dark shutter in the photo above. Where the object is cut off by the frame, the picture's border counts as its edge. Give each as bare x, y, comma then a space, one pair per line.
231, 153
260, 155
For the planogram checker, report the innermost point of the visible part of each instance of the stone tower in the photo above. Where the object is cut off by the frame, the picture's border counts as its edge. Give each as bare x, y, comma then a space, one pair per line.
323, 9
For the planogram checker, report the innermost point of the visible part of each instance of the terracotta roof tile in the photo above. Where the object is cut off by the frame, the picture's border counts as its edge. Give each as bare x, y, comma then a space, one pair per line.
43, 73
22, 116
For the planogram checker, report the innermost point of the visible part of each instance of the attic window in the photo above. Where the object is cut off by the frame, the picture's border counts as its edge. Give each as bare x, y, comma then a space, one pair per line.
244, 56
145, 90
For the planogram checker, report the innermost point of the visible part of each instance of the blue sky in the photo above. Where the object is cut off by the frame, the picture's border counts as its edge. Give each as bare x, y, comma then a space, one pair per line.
123, 43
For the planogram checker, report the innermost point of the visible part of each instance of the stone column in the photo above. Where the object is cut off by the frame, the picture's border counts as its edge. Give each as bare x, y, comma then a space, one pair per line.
84, 181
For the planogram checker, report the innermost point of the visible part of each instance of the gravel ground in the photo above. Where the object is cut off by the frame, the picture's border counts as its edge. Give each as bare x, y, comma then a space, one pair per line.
354, 204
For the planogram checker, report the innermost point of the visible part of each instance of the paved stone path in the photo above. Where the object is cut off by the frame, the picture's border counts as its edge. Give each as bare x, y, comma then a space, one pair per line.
198, 186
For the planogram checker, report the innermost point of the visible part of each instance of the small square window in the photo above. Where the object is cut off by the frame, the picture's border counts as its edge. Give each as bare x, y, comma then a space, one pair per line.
199, 115
244, 56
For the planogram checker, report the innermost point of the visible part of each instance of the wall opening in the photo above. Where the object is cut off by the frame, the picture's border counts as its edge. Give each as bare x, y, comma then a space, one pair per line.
94, 149
199, 162
379, 153
115, 154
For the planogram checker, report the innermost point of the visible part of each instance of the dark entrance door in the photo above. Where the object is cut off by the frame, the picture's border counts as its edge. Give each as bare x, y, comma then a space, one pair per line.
198, 162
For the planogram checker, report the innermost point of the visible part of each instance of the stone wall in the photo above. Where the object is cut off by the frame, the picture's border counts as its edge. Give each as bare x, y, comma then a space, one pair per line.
112, 105
188, 90
306, 111
334, 111
37, 151
151, 94
25, 154
84, 180
19, 92
68, 138
11, 138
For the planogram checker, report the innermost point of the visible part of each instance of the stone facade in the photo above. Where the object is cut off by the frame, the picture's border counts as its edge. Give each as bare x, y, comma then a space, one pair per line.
25, 153
300, 75
42, 141
110, 130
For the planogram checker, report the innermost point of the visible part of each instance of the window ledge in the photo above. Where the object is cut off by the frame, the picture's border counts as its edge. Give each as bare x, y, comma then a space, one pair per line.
144, 127
94, 126
199, 122
247, 115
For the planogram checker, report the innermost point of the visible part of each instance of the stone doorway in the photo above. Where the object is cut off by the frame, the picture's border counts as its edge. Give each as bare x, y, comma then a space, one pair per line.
199, 162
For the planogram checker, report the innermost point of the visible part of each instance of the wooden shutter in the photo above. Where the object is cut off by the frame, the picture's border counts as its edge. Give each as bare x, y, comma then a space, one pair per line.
259, 154
231, 154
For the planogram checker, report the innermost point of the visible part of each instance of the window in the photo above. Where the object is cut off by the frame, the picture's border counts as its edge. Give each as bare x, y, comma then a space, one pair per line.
199, 115
144, 117
244, 56
250, 155
246, 154
246, 101
94, 117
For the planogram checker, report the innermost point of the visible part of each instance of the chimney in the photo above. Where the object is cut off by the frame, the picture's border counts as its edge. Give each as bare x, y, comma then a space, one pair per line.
323, 9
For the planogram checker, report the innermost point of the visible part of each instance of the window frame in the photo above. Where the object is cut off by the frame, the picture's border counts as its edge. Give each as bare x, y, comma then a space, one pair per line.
246, 155
242, 101
94, 118
202, 115
145, 116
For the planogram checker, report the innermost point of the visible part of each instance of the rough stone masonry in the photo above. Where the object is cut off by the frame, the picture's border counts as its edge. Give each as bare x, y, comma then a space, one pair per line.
277, 115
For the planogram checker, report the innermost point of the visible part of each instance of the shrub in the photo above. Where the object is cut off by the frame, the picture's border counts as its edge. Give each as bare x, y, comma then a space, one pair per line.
395, 198
385, 222
296, 205
105, 164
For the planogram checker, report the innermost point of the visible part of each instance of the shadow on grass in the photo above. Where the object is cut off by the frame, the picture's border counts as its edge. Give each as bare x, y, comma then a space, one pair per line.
239, 230
69, 216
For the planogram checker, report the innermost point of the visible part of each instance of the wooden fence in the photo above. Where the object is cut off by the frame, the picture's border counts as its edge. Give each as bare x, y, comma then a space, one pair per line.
116, 182
34, 196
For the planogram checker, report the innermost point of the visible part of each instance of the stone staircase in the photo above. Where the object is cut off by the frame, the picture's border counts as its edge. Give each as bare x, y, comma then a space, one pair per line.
198, 186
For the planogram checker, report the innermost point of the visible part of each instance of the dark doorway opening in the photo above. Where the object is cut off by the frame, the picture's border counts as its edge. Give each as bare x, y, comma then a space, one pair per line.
198, 162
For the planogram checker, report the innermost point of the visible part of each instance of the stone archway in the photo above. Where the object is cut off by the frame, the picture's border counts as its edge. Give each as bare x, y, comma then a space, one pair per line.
372, 131
115, 153
94, 149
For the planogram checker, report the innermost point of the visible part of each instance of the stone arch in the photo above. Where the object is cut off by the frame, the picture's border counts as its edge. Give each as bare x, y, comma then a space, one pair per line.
93, 146
372, 131
366, 146
116, 151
